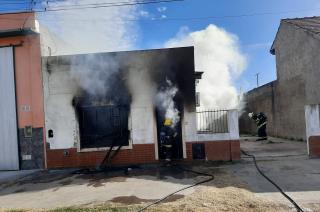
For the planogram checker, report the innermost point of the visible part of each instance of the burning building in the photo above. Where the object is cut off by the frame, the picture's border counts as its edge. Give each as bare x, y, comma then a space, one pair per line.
89, 105
118, 100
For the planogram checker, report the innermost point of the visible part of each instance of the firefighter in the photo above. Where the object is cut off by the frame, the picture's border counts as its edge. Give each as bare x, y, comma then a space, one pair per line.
167, 136
261, 121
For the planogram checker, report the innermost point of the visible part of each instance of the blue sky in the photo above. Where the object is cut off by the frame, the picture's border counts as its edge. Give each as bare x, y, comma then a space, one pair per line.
255, 32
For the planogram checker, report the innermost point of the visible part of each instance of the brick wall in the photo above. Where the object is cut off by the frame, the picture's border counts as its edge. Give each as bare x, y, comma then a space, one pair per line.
139, 154
218, 150
63, 158
314, 146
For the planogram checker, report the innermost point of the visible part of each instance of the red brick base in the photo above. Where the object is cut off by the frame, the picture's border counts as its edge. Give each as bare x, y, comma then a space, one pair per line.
218, 150
140, 153
314, 146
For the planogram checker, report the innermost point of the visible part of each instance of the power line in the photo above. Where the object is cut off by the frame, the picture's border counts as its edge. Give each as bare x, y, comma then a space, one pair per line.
197, 18
92, 6
53, 9
2, 3
110, 3
187, 18
235, 16
13, 3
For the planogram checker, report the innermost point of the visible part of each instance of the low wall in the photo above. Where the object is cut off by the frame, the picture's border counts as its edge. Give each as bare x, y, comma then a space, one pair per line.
66, 158
218, 150
220, 146
312, 116
227, 150
314, 146
283, 103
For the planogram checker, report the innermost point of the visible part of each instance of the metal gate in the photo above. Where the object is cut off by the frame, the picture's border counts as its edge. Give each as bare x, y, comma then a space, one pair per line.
103, 126
9, 158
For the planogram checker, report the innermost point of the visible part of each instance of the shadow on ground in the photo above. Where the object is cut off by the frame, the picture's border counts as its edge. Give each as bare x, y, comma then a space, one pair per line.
285, 163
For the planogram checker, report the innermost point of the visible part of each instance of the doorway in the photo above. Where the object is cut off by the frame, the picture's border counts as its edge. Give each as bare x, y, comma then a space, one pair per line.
177, 148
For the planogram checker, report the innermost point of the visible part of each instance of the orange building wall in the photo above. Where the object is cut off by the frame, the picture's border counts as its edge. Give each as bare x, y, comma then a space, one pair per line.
17, 21
29, 87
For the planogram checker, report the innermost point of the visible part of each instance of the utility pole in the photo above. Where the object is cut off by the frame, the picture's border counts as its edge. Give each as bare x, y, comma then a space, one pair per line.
257, 75
31, 5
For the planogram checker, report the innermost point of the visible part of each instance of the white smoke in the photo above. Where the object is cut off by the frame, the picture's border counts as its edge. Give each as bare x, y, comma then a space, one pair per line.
94, 74
165, 102
139, 71
87, 31
90, 30
217, 54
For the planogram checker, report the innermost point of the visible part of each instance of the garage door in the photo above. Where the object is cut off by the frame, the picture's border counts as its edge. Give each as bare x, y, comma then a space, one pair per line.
9, 159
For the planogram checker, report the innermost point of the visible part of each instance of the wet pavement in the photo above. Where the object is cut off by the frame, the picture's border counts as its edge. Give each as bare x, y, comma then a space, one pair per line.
286, 162
63, 188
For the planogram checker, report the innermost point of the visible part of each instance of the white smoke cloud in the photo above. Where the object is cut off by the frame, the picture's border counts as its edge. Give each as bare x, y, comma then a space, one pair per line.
91, 30
217, 54
165, 102
92, 73
161, 9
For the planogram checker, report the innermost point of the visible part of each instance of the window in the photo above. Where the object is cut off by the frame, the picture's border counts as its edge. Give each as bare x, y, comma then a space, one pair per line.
197, 99
103, 126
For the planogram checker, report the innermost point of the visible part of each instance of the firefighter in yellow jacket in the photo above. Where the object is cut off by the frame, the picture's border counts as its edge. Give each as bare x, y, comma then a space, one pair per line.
167, 136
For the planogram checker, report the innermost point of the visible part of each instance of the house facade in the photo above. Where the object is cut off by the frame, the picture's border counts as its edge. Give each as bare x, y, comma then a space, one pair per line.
73, 110
297, 51
22, 111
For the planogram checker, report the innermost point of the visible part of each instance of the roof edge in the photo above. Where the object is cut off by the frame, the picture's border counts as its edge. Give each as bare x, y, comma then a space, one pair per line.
21, 12
123, 51
17, 32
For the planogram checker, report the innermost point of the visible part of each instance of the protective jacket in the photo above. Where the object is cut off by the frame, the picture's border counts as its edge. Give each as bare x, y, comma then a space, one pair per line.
261, 121
167, 136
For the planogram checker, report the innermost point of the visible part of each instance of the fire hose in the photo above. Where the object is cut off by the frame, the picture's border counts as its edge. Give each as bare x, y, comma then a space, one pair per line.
211, 177
273, 183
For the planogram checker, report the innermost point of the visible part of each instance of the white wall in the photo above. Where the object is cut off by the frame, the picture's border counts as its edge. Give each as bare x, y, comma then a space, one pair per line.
60, 116
190, 129
312, 121
142, 109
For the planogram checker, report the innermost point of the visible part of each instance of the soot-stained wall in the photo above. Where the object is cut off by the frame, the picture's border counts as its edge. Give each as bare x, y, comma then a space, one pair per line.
126, 78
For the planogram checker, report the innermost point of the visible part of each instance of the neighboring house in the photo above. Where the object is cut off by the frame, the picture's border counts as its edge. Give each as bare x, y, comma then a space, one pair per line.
297, 51
70, 110
21, 93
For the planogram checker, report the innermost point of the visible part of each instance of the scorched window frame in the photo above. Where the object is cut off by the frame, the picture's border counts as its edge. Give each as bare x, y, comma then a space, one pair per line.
80, 147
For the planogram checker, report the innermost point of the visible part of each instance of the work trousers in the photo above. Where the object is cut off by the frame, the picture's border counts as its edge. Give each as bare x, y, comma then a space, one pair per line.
262, 131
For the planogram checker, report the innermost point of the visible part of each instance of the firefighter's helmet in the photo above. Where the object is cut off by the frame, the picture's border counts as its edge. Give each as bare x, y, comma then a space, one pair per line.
167, 122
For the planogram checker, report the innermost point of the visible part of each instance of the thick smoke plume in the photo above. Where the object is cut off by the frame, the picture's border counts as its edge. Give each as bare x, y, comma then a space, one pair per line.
165, 102
217, 54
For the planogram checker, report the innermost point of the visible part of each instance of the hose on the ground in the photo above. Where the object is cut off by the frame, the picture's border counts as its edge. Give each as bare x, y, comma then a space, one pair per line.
193, 185
273, 183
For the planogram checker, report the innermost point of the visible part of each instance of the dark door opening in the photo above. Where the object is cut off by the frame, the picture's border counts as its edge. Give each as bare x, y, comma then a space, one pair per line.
177, 150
